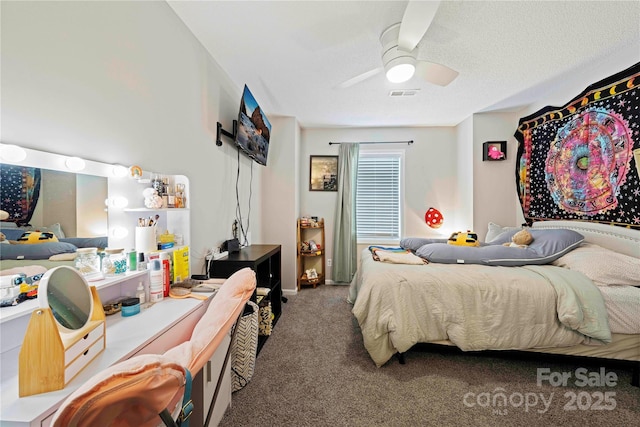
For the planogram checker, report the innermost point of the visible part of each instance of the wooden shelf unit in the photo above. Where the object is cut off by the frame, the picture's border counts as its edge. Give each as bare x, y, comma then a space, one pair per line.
308, 259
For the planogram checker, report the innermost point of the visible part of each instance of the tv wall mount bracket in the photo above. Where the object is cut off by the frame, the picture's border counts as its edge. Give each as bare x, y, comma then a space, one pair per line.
226, 133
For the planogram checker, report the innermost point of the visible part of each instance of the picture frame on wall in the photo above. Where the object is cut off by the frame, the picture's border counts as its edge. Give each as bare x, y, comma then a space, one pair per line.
494, 150
323, 173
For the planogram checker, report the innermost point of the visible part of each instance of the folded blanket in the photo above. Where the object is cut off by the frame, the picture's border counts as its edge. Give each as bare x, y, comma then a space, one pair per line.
395, 255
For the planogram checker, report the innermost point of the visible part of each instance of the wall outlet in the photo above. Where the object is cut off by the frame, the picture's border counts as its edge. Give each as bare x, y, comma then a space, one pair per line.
328, 262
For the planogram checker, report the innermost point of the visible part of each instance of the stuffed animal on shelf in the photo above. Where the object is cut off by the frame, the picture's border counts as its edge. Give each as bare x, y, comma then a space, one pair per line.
495, 153
3, 238
464, 239
521, 239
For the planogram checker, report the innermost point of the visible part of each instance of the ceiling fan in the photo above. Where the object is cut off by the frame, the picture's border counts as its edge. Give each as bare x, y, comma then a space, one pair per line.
399, 52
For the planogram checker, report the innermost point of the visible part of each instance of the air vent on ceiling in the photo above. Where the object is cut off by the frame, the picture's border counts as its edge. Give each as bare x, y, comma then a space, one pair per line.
403, 92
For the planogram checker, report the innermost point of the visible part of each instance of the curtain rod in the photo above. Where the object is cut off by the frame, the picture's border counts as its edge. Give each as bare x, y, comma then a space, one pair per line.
374, 142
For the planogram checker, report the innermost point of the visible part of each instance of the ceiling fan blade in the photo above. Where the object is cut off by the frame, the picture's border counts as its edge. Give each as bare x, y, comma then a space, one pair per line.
415, 22
359, 78
438, 74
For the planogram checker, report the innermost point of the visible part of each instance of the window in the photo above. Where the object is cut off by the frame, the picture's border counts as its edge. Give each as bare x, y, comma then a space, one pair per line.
378, 202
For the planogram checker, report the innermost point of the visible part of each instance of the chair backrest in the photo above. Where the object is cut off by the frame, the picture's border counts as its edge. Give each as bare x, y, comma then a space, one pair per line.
129, 393
133, 392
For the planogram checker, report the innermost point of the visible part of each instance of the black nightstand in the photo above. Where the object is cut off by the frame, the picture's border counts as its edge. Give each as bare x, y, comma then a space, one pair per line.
266, 261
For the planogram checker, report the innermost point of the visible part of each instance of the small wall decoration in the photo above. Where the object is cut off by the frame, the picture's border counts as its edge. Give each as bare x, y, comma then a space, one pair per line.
433, 218
494, 150
323, 173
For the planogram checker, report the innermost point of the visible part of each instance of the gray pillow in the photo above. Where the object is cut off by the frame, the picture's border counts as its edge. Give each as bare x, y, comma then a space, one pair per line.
37, 251
547, 246
414, 243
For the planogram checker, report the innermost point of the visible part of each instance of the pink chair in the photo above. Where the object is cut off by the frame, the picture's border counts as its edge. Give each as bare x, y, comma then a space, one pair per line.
136, 391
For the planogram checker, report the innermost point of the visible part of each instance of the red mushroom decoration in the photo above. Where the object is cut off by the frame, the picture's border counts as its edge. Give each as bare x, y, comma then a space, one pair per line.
433, 218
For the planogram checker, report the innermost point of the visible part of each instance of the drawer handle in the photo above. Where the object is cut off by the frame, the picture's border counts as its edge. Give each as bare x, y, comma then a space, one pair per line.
85, 337
86, 352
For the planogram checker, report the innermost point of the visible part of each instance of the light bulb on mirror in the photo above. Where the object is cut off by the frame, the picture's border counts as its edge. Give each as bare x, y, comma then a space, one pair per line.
119, 171
117, 202
119, 232
75, 164
12, 153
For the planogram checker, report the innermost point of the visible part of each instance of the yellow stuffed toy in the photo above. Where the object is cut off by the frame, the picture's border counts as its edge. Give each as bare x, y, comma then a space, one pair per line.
32, 237
521, 239
464, 239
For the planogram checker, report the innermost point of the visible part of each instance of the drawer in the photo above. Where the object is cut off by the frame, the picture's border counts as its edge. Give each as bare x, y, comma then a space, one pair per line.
82, 345
83, 360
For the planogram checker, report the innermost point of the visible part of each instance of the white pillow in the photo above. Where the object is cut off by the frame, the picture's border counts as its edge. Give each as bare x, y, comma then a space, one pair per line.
603, 266
495, 230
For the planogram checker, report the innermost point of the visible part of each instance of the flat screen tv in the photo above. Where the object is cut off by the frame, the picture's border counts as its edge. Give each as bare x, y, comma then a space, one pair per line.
254, 129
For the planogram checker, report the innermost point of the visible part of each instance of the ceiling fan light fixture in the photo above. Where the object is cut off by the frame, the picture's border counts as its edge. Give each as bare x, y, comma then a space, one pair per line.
399, 66
400, 72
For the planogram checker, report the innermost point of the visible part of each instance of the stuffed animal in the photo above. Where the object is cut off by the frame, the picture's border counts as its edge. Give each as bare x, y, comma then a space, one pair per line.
3, 239
463, 239
495, 153
521, 239
31, 237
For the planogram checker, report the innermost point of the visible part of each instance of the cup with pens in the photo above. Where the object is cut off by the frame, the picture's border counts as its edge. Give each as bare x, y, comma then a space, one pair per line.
146, 234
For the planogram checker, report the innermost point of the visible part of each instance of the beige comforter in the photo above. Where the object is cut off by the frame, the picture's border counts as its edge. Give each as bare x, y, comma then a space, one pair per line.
474, 306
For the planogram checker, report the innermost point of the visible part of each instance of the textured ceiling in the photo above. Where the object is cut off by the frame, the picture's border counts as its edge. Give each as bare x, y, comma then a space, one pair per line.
294, 55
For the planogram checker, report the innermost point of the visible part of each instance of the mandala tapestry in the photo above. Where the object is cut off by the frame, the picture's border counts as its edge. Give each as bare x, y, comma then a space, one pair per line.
19, 192
580, 161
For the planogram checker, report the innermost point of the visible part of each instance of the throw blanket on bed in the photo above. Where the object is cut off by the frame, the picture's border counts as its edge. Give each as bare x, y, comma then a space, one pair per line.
474, 306
395, 255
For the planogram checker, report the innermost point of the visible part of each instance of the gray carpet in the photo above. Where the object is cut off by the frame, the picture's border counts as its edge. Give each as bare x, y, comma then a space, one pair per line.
315, 371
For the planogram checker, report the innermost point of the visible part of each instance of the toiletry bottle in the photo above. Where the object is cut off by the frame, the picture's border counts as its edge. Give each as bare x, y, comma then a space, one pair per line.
166, 273
141, 294
132, 259
156, 291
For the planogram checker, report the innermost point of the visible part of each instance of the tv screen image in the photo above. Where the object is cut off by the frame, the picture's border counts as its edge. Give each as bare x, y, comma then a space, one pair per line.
254, 129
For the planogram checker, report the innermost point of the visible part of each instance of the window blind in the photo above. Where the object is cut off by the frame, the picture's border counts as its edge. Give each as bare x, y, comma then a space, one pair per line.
378, 196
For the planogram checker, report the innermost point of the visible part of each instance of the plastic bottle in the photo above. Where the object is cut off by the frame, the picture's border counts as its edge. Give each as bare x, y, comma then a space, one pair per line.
156, 291
166, 273
141, 294
132, 260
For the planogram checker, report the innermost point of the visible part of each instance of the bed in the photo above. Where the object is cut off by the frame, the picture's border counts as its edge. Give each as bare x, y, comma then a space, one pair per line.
48, 253
549, 308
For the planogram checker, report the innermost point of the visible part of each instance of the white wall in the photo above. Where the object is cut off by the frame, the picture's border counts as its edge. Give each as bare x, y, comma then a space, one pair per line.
430, 175
494, 182
126, 82
280, 190
466, 167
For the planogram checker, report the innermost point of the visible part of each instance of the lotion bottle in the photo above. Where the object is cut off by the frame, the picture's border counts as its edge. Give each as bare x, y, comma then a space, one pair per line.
141, 294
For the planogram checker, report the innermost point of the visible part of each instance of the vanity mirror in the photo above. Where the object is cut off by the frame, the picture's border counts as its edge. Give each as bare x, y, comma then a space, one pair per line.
72, 201
68, 296
64, 334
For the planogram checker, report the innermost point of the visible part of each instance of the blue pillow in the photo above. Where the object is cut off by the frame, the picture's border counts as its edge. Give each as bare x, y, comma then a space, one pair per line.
12, 233
547, 246
38, 251
414, 243
87, 242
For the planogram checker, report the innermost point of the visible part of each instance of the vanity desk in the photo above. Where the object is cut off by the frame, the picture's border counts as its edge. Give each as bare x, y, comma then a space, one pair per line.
157, 328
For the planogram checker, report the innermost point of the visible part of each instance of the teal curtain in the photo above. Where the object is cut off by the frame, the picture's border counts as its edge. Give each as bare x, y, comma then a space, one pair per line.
345, 249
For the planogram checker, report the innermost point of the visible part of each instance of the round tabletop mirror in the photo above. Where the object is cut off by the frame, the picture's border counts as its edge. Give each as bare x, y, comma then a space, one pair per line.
67, 294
